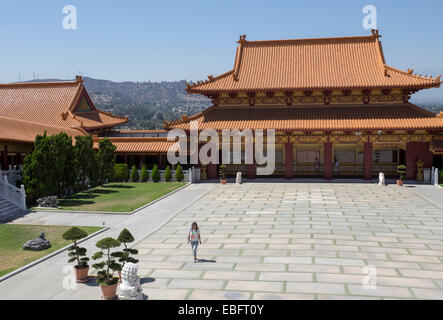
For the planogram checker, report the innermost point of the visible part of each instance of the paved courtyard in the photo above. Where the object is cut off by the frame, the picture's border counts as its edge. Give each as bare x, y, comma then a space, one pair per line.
300, 241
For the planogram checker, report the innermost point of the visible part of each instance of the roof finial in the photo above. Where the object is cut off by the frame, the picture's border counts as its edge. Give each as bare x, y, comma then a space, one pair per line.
438, 78
242, 38
79, 79
211, 77
375, 33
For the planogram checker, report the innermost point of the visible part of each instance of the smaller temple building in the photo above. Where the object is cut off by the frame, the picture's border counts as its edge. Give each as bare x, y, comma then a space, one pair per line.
31, 108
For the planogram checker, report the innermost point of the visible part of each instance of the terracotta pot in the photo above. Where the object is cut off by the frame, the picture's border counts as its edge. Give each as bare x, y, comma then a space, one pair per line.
109, 292
400, 183
81, 274
223, 181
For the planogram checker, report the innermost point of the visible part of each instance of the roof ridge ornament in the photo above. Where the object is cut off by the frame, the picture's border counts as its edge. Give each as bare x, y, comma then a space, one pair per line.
78, 79
375, 33
242, 38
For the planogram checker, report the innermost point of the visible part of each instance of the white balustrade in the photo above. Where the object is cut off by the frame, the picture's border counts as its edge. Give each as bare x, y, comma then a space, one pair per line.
13, 194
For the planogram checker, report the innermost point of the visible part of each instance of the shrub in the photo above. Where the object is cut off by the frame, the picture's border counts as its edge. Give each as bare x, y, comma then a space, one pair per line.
106, 268
135, 177
179, 174
126, 237
155, 174
144, 174
76, 253
121, 172
440, 178
401, 170
168, 174
105, 159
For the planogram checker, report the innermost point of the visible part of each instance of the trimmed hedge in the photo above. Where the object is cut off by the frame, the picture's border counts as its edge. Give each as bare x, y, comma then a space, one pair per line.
144, 174
155, 174
121, 172
179, 174
135, 177
168, 174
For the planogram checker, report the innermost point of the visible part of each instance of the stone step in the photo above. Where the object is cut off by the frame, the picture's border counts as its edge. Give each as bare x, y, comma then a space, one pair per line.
8, 210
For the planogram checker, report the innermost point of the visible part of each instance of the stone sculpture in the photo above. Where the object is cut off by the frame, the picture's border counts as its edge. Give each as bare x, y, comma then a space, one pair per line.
381, 179
238, 178
37, 244
129, 288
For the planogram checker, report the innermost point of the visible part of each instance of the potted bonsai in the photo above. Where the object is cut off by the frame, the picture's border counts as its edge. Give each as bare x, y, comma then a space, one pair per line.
222, 173
105, 269
77, 253
401, 170
126, 237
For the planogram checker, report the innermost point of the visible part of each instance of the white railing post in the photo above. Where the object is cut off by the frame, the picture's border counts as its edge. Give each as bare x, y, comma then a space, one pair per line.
23, 197
436, 176
432, 175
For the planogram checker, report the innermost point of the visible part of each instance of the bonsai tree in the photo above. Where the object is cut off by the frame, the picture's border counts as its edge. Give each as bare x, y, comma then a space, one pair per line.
126, 237
76, 253
135, 177
168, 174
106, 268
155, 174
179, 174
222, 172
144, 174
401, 170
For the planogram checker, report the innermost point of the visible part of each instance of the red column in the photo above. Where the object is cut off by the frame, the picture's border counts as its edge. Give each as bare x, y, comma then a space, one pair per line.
415, 151
367, 160
160, 161
5, 158
289, 160
211, 170
251, 167
328, 160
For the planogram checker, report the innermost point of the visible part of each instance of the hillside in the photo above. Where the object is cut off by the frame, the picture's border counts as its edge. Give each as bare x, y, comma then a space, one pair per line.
148, 103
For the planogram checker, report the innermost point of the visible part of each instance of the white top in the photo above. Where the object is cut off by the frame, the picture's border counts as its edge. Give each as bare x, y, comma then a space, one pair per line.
193, 234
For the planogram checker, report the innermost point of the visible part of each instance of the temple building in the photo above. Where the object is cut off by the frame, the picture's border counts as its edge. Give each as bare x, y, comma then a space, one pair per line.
337, 108
31, 108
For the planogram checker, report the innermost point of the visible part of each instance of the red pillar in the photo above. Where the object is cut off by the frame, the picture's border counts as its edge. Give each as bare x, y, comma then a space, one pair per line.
251, 167
328, 160
289, 160
160, 161
367, 160
5, 164
415, 151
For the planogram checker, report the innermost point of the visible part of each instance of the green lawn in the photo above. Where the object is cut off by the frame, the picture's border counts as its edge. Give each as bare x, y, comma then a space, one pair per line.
118, 197
13, 236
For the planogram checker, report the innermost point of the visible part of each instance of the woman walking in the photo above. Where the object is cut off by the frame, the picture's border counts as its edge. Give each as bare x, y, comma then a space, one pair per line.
194, 238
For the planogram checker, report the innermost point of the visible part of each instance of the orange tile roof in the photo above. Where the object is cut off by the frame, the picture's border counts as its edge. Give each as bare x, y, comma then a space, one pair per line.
293, 118
139, 144
15, 130
302, 64
53, 104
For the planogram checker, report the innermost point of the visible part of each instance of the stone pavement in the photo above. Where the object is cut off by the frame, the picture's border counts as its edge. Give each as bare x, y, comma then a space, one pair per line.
45, 280
300, 241
277, 240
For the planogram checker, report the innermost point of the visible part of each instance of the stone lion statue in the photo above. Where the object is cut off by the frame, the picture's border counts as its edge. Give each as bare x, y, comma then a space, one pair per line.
130, 288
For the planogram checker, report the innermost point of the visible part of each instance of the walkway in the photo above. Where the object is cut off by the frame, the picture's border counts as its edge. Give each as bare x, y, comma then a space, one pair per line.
45, 280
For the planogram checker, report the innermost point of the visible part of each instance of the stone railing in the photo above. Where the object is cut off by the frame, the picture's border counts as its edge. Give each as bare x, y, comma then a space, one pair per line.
12, 175
12, 194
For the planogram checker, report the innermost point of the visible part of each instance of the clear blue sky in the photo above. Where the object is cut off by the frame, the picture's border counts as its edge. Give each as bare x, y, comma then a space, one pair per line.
172, 40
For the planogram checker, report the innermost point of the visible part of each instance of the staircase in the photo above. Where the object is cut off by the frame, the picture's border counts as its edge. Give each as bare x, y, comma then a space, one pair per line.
8, 210
12, 200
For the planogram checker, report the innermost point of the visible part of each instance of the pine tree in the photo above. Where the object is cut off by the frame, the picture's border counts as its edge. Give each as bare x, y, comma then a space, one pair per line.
168, 174
155, 174
179, 174
135, 177
144, 174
